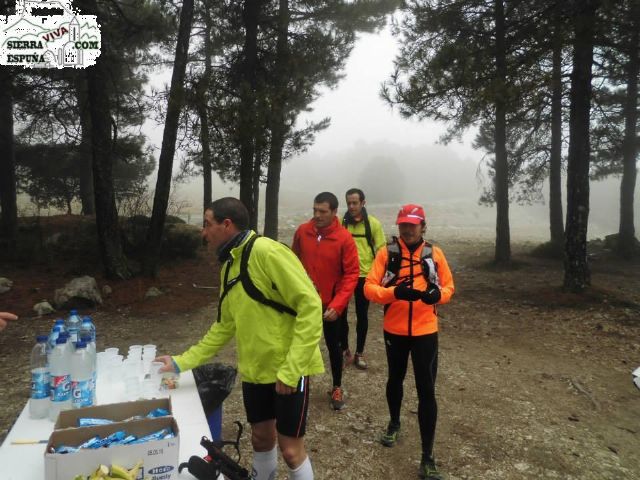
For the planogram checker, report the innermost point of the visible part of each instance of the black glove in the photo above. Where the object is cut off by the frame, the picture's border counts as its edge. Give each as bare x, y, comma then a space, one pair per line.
431, 295
404, 292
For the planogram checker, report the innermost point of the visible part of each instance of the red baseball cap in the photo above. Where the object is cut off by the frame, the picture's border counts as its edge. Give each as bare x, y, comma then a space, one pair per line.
410, 213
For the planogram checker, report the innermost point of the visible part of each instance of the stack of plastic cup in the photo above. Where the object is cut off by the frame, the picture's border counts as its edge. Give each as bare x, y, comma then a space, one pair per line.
135, 356
148, 354
109, 387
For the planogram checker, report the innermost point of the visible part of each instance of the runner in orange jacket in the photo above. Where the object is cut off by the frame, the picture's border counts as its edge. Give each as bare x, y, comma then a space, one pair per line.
330, 257
411, 296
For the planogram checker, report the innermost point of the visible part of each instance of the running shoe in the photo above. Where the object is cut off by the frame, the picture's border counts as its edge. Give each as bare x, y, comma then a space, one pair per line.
337, 398
360, 362
390, 437
347, 358
428, 470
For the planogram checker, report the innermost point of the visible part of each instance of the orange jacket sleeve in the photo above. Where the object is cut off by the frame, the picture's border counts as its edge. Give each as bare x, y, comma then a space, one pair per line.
373, 289
444, 276
351, 271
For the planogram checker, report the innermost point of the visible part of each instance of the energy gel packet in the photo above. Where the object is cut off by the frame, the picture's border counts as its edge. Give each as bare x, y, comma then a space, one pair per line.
159, 435
91, 422
157, 412
64, 449
90, 443
114, 437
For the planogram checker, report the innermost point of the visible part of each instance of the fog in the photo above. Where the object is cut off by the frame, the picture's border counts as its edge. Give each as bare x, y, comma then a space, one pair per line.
395, 160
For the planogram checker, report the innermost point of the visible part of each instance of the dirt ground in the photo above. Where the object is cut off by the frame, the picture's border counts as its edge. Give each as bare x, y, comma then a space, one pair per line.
532, 382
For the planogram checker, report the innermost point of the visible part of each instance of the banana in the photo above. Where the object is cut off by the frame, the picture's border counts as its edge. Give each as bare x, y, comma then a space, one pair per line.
133, 473
101, 472
118, 471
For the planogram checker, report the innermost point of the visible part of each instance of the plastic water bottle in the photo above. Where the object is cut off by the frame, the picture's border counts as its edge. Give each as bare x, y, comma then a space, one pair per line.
60, 322
81, 377
59, 373
91, 350
73, 326
53, 336
69, 347
39, 401
88, 328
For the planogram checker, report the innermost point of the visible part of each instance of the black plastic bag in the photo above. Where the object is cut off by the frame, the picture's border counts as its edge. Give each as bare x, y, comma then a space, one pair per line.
215, 382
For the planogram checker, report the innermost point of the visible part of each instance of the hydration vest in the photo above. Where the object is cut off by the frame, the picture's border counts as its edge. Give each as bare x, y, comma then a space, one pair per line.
367, 230
248, 285
394, 259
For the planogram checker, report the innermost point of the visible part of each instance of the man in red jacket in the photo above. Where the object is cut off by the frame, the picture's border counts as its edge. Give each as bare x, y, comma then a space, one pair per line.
330, 257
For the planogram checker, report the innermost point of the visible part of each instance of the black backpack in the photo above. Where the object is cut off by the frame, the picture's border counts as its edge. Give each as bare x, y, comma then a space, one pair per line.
367, 229
248, 284
394, 259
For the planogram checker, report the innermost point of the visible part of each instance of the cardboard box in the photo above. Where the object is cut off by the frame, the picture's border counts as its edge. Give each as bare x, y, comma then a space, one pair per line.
160, 457
113, 411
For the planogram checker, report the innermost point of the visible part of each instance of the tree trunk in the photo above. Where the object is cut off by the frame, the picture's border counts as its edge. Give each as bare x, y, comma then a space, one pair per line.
86, 175
257, 171
203, 113
109, 239
555, 159
577, 276
627, 243
503, 241
248, 82
277, 123
165, 162
8, 200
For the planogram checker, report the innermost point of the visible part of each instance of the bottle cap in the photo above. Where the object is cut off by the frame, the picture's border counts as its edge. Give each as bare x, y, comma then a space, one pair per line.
73, 312
42, 338
59, 321
57, 328
87, 319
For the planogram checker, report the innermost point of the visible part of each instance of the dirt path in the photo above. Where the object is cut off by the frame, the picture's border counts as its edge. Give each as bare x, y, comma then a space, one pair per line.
532, 383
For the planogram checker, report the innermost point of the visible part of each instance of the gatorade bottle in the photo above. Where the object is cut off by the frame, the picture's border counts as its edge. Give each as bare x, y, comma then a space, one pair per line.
88, 328
73, 326
69, 348
91, 350
60, 322
81, 377
59, 373
39, 401
53, 336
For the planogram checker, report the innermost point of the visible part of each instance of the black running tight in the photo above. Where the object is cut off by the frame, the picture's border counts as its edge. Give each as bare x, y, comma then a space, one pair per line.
362, 316
332, 339
424, 355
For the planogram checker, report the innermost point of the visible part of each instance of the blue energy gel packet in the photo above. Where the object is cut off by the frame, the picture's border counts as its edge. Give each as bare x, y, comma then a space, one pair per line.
114, 437
91, 442
90, 422
124, 441
157, 412
66, 449
159, 435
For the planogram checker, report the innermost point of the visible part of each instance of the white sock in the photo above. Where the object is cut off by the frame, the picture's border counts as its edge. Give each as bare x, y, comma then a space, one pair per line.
265, 465
303, 472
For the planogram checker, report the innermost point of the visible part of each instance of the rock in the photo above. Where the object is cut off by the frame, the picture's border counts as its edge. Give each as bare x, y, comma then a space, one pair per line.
5, 285
153, 292
43, 308
107, 290
79, 292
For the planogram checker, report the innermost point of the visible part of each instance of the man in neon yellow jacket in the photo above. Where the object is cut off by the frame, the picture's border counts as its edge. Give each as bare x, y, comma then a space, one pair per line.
270, 305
